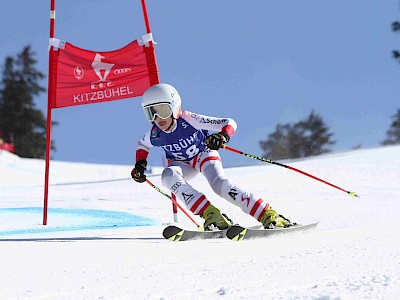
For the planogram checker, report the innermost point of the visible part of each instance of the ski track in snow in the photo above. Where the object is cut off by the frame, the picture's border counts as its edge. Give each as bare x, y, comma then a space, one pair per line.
353, 254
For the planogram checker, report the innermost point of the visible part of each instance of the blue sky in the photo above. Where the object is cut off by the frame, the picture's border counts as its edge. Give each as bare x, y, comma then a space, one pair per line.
260, 62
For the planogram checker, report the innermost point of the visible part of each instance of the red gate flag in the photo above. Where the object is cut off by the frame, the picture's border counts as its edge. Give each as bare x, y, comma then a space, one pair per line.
78, 76
83, 76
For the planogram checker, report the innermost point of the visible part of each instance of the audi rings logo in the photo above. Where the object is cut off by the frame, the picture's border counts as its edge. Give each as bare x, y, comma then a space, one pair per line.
175, 186
122, 71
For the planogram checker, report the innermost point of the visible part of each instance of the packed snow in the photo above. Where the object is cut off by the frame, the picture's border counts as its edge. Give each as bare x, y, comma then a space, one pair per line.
103, 238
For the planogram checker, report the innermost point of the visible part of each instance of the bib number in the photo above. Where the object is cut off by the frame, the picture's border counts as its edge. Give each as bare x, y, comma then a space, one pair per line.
190, 152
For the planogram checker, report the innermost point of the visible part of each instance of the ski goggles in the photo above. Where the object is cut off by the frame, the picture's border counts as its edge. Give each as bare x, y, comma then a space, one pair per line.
162, 110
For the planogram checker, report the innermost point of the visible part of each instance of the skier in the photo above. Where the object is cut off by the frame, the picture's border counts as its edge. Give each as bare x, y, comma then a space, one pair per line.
190, 149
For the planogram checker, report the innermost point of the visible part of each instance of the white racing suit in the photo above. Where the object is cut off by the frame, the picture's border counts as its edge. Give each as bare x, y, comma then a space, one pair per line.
188, 156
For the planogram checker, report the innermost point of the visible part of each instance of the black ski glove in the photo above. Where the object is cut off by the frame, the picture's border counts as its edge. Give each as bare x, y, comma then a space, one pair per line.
138, 172
217, 140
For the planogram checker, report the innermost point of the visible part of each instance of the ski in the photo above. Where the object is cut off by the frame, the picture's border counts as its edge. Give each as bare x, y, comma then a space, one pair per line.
177, 234
239, 233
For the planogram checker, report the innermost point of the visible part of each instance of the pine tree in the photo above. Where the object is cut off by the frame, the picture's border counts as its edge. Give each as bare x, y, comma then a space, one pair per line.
18, 115
276, 146
305, 138
393, 133
282, 143
316, 138
396, 28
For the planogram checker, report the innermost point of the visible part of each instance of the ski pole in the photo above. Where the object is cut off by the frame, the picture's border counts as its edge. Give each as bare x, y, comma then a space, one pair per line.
175, 202
288, 167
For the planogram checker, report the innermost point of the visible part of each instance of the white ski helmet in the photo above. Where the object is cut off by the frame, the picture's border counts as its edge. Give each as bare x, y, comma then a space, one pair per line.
162, 93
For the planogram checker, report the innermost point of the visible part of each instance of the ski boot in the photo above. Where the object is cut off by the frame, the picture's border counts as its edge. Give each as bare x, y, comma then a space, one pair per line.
214, 220
272, 219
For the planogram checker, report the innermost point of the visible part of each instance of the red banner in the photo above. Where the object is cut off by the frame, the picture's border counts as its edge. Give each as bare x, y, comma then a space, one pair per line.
84, 77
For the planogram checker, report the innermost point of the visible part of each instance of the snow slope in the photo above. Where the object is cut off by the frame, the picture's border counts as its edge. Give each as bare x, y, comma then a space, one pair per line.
91, 248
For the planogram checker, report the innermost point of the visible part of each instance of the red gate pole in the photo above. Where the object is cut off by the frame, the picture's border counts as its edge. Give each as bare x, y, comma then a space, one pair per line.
155, 79
150, 53
146, 17
49, 113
